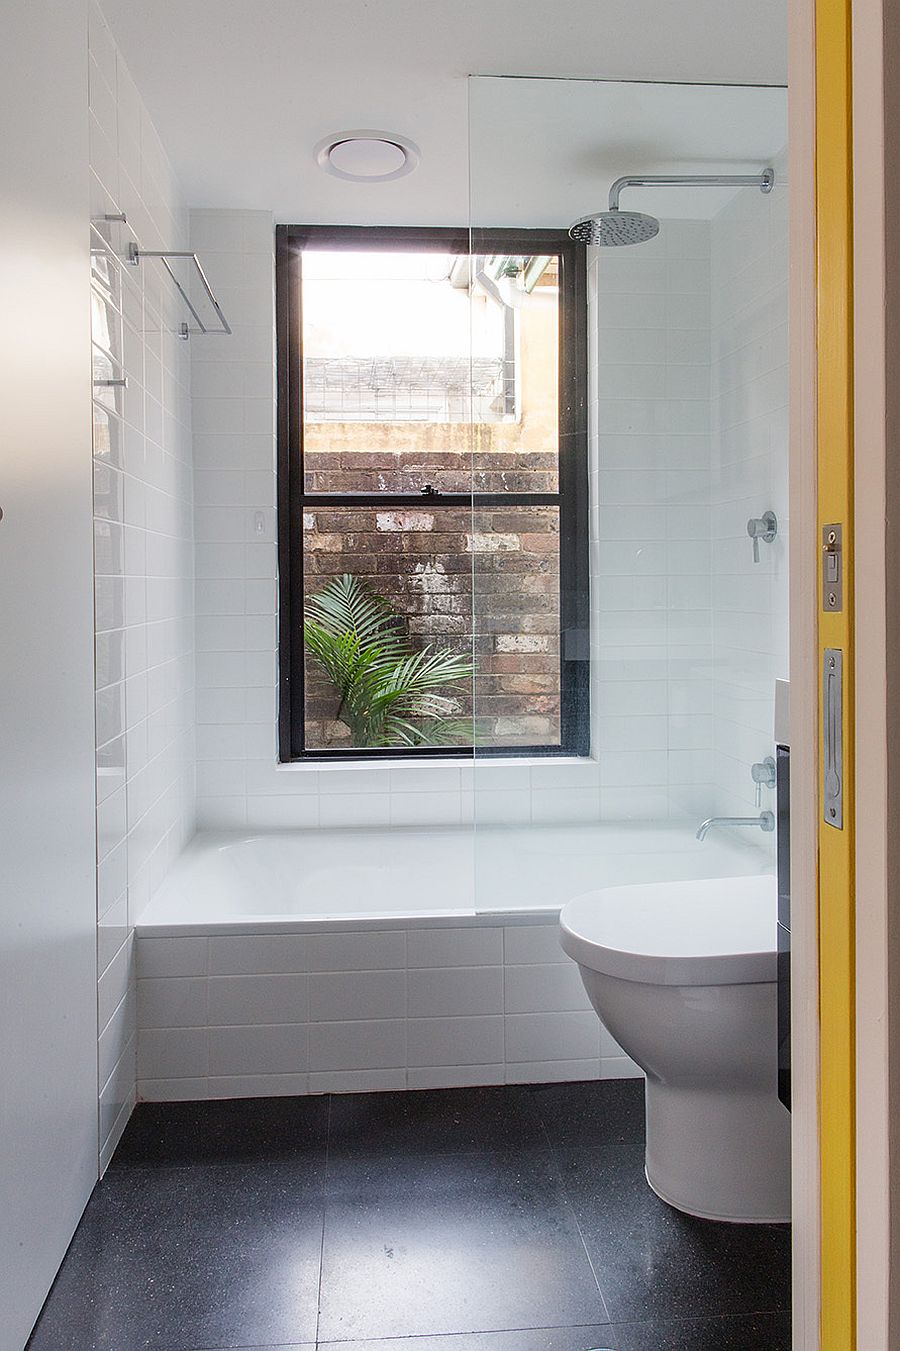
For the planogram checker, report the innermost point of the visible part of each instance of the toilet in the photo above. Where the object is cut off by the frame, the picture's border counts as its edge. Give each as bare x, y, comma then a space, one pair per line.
683, 975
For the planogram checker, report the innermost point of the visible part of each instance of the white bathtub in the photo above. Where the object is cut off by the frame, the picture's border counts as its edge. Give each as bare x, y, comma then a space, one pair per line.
285, 881
345, 960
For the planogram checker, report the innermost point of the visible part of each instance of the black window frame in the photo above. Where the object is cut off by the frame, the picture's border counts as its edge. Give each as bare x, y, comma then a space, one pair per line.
571, 497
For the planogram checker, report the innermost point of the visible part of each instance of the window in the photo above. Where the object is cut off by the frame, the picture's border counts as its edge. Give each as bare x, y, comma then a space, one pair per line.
432, 492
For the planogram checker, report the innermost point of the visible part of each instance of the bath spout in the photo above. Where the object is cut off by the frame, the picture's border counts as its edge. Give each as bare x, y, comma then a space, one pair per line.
765, 821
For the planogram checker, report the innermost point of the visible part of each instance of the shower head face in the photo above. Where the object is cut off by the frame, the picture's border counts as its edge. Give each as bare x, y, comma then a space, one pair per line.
612, 229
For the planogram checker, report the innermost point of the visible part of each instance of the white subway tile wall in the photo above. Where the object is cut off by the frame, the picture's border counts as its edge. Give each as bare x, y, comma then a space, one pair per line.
651, 622
239, 781
143, 493
688, 352
749, 475
359, 1011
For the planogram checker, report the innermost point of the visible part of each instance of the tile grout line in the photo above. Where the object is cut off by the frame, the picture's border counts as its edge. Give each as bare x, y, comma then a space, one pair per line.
324, 1210
569, 1206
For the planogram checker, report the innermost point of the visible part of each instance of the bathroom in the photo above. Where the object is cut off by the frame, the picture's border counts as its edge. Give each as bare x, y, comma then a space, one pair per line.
420, 650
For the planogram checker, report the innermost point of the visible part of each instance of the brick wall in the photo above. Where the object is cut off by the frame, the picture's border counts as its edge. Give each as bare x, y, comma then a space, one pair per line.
486, 581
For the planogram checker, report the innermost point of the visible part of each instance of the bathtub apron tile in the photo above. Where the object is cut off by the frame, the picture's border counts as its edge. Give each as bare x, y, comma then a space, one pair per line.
552, 1036
345, 996
526, 944
455, 1041
258, 1050
173, 1053
545, 988
184, 956
466, 946
380, 950
172, 1002
257, 954
455, 991
247, 1001
372, 1045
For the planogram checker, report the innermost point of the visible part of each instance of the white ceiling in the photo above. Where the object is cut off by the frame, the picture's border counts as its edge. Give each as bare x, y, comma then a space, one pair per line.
544, 153
242, 90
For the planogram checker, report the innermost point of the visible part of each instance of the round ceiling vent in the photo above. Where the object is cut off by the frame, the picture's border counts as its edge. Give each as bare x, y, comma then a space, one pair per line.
367, 156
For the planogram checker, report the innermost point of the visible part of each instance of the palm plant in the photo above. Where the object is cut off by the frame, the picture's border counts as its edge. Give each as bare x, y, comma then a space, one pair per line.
389, 692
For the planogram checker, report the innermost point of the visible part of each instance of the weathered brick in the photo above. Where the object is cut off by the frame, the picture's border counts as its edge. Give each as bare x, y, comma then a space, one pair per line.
540, 544
332, 544
404, 520
535, 519
525, 726
492, 543
521, 642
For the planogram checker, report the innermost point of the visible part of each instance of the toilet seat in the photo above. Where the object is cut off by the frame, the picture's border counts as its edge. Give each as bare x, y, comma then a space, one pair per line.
716, 931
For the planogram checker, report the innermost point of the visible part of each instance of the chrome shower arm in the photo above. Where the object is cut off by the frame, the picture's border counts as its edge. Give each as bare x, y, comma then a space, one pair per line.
765, 181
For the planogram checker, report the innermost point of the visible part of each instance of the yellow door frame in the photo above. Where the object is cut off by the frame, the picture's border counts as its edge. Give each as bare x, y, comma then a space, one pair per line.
836, 847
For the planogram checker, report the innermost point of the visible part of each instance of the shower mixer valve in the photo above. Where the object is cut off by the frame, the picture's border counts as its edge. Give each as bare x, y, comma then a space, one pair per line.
763, 775
765, 528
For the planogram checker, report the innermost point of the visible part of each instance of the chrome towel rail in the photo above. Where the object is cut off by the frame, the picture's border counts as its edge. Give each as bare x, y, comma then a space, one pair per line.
135, 254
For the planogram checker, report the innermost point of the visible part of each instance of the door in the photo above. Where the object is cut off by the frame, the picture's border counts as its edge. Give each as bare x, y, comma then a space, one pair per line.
835, 662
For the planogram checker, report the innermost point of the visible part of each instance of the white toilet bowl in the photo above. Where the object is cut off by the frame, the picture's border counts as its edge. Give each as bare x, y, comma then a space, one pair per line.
683, 976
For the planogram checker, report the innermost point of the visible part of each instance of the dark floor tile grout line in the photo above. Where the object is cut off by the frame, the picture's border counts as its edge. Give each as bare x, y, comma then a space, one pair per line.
487, 1332
432, 1336
568, 1202
674, 1318
546, 1327
324, 1215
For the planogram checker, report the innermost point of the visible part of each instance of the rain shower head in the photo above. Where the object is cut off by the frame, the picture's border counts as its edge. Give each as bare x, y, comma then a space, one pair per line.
612, 228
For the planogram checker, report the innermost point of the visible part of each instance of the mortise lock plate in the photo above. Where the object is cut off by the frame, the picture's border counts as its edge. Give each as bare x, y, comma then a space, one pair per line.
832, 568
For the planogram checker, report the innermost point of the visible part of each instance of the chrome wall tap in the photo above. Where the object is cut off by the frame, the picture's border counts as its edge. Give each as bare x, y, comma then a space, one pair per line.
765, 821
765, 528
763, 774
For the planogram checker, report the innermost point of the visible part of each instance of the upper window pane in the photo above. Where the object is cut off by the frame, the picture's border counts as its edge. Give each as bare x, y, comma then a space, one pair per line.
429, 371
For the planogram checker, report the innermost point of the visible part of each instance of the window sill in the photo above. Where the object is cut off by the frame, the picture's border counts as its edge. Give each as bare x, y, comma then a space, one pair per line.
484, 763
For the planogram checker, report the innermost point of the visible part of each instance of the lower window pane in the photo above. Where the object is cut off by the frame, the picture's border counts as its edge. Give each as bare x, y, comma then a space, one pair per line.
480, 589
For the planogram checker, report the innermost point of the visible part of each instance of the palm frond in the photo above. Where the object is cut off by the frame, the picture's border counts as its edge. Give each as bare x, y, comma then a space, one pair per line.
346, 605
389, 693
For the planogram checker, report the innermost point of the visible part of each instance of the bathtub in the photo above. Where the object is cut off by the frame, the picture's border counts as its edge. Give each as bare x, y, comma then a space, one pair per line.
353, 960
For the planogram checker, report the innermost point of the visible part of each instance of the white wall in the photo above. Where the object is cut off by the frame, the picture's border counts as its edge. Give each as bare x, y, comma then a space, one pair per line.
48, 1070
144, 552
674, 436
649, 354
749, 475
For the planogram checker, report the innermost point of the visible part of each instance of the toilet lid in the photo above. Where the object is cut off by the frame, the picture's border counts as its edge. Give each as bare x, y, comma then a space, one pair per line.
718, 931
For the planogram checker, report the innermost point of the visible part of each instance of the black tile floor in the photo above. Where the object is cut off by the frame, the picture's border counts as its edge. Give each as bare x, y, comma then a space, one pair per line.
484, 1219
